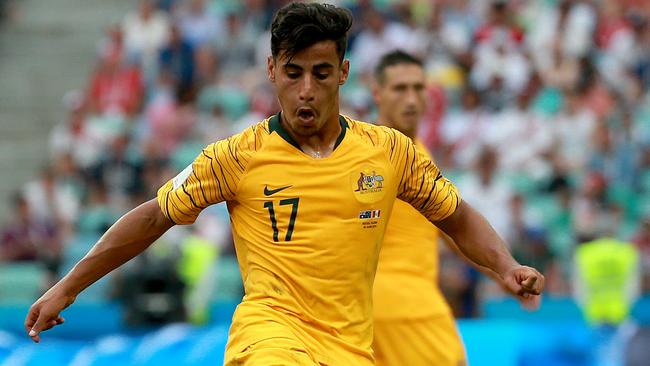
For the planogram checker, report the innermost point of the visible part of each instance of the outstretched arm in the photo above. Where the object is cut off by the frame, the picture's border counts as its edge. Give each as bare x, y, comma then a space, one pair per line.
478, 242
528, 302
128, 237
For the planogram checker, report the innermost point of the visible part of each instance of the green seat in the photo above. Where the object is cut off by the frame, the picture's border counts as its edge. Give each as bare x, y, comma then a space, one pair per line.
545, 207
625, 198
21, 282
98, 292
185, 154
75, 249
232, 101
645, 181
522, 183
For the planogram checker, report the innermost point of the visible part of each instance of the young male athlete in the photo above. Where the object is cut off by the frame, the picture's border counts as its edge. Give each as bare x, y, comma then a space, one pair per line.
413, 323
307, 234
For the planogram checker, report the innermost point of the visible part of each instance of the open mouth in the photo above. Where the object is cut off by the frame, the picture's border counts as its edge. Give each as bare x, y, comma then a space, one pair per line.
306, 115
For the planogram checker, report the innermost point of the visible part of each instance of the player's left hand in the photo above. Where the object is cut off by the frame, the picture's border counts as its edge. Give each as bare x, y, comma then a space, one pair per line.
526, 283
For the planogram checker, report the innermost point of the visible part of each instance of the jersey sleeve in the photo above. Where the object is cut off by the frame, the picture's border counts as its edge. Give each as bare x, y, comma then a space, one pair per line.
212, 178
422, 185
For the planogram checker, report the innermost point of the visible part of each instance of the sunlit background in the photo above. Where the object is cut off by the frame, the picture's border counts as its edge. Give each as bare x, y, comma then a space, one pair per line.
538, 110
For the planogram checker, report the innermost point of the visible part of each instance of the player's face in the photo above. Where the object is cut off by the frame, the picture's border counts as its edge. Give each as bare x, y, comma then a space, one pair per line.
307, 86
401, 97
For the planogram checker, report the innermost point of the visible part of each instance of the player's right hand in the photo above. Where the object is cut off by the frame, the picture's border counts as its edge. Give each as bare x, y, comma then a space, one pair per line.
45, 313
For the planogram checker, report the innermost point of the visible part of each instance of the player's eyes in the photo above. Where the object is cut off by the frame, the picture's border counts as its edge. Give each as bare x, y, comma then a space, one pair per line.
293, 75
321, 76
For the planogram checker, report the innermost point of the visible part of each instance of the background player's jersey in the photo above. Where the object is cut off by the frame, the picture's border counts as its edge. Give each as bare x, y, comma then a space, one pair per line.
406, 284
307, 231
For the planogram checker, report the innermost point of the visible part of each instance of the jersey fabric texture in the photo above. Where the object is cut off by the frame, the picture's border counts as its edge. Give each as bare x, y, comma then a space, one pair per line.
308, 231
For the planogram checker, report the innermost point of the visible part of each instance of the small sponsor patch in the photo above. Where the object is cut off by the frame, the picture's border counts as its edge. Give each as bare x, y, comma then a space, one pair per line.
182, 176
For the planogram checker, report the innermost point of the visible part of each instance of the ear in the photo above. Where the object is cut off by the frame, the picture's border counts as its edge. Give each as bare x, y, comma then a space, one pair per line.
345, 72
376, 95
270, 68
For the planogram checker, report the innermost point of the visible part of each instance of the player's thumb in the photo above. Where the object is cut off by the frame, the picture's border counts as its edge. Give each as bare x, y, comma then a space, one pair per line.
528, 283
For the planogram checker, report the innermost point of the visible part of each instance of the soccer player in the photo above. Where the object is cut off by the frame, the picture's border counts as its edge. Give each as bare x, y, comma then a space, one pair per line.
413, 323
309, 193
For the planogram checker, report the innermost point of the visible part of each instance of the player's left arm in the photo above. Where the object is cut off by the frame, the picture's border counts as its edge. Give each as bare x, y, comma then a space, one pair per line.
479, 242
424, 187
529, 303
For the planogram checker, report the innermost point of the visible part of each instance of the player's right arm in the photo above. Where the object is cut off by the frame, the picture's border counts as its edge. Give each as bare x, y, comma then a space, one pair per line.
127, 238
212, 178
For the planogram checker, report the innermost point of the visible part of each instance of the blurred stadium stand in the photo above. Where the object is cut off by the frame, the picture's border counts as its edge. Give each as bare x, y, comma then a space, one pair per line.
32, 88
553, 148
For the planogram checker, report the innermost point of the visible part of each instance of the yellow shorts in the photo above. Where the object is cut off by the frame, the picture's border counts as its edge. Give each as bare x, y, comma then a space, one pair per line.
419, 342
272, 352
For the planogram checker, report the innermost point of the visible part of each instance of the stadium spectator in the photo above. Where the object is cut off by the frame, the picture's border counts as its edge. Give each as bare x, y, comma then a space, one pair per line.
76, 136
236, 46
378, 37
199, 25
51, 200
145, 31
606, 283
462, 130
116, 87
177, 58
27, 237
487, 192
119, 172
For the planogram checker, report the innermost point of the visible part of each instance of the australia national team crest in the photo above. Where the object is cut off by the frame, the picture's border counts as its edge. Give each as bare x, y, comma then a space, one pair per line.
368, 185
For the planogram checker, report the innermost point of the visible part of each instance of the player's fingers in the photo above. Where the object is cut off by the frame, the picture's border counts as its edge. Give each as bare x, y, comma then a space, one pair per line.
530, 303
528, 283
533, 284
34, 333
31, 318
42, 323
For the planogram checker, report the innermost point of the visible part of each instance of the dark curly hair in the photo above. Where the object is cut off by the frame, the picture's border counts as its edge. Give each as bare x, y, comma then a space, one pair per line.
397, 57
297, 26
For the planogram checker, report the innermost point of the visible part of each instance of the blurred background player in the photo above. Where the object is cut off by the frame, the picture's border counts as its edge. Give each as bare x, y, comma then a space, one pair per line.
414, 324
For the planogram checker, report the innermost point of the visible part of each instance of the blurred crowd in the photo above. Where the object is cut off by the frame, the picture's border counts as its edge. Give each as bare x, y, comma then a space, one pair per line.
538, 110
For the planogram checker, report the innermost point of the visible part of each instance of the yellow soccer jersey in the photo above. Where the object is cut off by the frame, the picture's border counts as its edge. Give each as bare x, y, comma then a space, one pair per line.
406, 284
308, 231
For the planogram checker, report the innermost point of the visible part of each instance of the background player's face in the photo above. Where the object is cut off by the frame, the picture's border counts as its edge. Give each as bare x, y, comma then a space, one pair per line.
401, 97
307, 86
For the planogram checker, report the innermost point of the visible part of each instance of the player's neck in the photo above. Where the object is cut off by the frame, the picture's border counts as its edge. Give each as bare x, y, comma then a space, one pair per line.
321, 144
383, 121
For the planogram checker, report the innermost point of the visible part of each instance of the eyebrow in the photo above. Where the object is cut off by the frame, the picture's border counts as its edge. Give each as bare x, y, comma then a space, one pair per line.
322, 65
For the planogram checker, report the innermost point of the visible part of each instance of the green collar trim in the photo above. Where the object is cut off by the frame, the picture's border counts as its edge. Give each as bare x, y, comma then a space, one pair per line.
276, 126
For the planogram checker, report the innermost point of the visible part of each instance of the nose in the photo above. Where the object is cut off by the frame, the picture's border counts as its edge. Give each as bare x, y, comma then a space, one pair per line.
412, 97
306, 92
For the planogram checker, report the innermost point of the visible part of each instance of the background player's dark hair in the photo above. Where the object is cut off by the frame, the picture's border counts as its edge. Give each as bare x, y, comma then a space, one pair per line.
297, 26
397, 57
